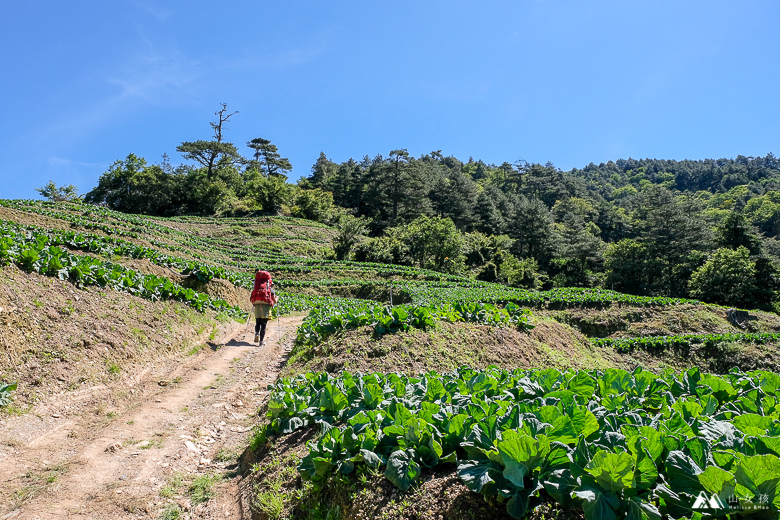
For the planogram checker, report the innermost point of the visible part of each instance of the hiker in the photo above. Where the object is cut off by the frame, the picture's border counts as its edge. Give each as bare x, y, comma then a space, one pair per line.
263, 297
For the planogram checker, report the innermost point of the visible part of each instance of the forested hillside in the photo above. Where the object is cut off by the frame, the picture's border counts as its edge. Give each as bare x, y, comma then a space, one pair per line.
705, 229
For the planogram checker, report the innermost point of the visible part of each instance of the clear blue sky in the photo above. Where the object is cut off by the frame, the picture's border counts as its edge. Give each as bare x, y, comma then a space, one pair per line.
87, 82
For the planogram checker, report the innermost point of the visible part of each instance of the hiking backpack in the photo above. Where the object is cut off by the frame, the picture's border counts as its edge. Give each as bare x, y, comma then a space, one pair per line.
262, 291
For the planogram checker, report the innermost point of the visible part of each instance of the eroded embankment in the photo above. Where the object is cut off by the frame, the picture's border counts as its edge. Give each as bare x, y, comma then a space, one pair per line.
56, 337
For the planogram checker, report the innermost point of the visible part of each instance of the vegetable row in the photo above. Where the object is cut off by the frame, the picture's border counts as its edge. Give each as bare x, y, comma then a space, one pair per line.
616, 444
325, 320
685, 341
39, 253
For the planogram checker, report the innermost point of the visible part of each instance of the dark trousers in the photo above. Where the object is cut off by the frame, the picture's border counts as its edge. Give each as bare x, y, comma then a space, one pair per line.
260, 324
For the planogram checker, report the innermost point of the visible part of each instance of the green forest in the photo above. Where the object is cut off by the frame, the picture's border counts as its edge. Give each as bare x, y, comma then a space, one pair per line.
705, 229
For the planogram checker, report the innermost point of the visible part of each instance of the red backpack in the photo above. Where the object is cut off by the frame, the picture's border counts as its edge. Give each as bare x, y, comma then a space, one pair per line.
262, 292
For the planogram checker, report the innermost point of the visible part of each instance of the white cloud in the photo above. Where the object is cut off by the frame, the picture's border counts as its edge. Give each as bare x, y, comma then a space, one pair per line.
156, 77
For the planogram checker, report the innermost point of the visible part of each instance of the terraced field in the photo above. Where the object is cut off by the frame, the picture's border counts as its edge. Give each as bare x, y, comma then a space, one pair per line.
427, 395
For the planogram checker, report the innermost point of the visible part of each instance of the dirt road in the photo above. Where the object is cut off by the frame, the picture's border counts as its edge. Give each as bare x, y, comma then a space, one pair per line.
167, 440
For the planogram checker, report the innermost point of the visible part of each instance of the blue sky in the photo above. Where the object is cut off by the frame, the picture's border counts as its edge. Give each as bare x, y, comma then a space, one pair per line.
85, 83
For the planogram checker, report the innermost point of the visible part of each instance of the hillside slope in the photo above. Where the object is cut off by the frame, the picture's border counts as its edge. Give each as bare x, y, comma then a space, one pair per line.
102, 311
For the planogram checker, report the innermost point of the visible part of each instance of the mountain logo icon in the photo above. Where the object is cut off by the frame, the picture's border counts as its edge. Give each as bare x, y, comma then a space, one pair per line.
705, 502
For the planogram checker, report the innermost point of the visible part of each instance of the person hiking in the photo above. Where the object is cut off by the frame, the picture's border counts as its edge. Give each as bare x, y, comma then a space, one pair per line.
263, 298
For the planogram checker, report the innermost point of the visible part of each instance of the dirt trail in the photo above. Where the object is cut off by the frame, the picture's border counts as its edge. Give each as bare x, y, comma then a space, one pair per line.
192, 421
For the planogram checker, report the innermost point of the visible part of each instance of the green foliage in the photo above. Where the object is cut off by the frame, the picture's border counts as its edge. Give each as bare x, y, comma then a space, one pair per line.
396, 188
427, 242
316, 205
390, 248
519, 273
671, 229
202, 488
454, 196
351, 231
216, 187
209, 154
581, 248
434, 243
51, 191
36, 251
736, 232
727, 277
448, 291
270, 192
563, 223
617, 444
5, 393
479, 248
488, 218
119, 186
133, 186
628, 265
533, 228
324, 320
171, 512
685, 341
267, 159
764, 212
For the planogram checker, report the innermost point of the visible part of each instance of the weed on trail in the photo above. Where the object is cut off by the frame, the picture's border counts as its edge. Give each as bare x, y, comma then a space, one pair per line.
171, 512
173, 486
34, 484
201, 488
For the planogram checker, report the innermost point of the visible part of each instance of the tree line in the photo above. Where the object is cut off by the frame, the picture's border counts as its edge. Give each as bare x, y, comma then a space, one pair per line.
624, 225
705, 229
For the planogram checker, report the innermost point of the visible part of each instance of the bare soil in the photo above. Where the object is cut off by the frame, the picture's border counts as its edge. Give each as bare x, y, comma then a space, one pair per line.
179, 424
549, 344
125, 408
57, 338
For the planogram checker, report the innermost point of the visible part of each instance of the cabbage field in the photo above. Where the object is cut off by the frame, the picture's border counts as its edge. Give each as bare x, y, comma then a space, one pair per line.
617, 444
